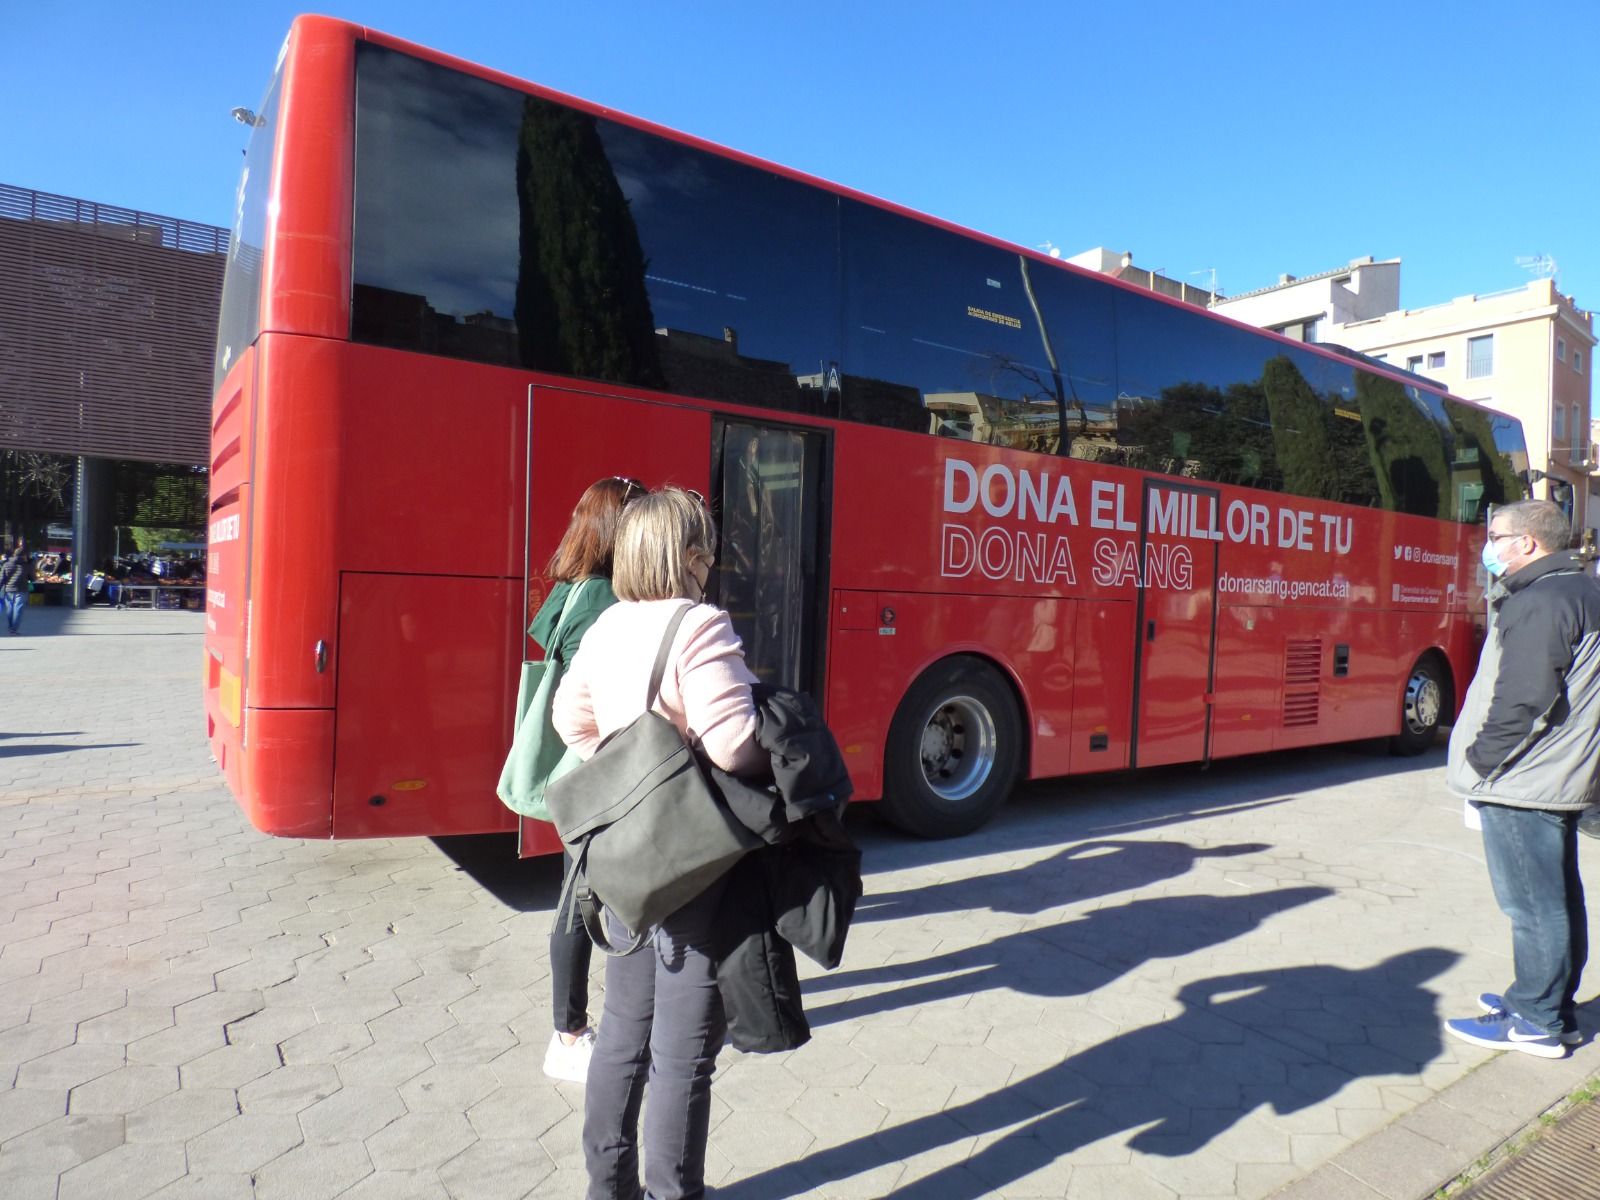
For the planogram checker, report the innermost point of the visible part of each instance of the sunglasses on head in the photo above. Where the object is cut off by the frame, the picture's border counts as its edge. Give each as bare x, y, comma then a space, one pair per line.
632, 491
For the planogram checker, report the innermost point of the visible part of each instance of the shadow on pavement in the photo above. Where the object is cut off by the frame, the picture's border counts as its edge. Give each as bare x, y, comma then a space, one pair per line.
1287, 1038
523, 884
22, 751
1090, 952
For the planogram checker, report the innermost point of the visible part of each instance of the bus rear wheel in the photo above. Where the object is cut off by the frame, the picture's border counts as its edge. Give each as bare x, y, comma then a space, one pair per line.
954, 750
1426, 705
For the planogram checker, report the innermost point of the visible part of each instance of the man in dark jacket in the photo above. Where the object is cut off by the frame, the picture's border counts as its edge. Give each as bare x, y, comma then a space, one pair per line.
1526, 755
16, 574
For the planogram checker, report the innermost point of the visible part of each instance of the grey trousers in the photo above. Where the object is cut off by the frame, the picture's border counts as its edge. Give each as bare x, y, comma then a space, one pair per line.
663, 1023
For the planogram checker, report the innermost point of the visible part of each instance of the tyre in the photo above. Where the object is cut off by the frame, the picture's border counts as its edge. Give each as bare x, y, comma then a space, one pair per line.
1426, 704
955, 746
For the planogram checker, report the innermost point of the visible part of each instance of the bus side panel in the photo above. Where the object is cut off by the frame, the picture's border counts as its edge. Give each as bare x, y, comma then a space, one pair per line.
293, 523
227, 546
425, 689
449, 443
308, 290
288, 775
1102, 694
1249, 681
873, 663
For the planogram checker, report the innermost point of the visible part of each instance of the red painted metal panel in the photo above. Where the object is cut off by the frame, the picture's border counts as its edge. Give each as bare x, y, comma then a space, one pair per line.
427, 678
306, 281
288, 772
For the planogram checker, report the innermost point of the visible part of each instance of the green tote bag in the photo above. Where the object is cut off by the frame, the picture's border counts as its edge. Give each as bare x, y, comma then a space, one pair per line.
538, 756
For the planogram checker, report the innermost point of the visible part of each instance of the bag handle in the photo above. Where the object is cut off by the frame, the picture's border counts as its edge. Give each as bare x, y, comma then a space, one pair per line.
658, 672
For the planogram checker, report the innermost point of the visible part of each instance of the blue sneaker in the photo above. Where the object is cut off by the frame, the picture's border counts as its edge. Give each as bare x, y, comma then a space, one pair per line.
1506, 1031
1495, 1003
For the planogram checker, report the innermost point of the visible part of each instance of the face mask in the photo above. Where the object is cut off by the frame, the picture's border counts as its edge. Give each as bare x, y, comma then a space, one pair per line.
1491, 561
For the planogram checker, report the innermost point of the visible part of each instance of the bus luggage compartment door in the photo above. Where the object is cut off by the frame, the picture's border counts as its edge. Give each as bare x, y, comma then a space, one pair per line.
1177, 620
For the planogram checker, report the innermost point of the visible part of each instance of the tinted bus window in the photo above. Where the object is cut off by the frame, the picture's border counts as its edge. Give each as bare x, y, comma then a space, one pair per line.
940, 335
239, 317
1488, 460
1078, 327
567, 243
1192, 397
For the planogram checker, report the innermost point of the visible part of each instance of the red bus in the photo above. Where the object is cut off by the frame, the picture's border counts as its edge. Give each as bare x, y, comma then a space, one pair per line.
1006, 518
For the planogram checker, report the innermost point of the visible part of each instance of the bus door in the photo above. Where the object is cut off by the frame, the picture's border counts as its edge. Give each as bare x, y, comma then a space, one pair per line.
769, 489
1176, 665
574, 438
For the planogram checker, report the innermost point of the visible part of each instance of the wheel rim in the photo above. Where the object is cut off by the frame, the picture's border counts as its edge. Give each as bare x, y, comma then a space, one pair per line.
1424, 700
958, 748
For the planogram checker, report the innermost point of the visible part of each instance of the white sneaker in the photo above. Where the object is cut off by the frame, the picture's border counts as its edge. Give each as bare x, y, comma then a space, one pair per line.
569, 1062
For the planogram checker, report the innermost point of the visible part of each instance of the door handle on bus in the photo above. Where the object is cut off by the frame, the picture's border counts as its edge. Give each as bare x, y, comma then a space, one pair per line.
319, 656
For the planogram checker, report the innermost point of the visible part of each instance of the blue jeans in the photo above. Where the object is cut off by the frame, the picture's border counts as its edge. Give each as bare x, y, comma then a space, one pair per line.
663, 1022
1533, 867
14, 603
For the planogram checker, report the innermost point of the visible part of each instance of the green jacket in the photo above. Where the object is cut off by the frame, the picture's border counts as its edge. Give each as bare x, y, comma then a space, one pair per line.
596, 598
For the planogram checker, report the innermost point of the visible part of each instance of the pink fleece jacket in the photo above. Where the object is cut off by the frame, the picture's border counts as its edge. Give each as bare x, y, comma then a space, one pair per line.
705, 691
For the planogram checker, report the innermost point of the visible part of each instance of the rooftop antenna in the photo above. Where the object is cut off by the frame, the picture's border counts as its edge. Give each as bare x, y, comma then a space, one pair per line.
1541, 266
1050, 248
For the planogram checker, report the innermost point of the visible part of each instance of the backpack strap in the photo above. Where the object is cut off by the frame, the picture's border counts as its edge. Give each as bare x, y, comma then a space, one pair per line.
578, 901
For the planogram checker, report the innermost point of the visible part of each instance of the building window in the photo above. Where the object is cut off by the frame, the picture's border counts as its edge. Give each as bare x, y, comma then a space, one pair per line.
1435, 359
1480, 356
1561, 349
1577, 361
1414, 363
1560, 430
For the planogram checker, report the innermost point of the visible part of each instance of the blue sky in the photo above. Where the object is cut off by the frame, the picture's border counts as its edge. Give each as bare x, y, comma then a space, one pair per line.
1249, 138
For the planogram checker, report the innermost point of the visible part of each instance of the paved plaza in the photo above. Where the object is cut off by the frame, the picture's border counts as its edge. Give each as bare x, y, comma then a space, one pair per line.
1181, 983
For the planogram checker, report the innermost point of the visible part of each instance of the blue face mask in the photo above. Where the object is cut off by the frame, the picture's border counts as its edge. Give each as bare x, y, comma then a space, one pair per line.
1491, 561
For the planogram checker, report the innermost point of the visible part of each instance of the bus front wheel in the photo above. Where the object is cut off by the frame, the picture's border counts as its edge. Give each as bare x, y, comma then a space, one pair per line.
954, 750
1426, 704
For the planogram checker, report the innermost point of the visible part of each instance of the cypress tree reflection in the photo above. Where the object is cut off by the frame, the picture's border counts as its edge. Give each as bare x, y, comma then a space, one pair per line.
582, 307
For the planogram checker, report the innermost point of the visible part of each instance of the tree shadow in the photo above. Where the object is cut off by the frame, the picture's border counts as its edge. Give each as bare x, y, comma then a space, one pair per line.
1089, 952
1285, 1038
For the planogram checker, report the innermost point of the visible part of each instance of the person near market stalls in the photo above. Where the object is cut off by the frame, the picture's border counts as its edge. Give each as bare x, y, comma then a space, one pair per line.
16, 580
1525, 754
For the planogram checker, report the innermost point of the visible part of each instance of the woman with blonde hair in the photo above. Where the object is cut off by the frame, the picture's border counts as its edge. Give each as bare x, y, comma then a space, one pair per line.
663, 1019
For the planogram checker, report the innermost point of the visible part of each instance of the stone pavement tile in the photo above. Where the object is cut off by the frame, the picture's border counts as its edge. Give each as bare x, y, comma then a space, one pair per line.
289, 1089
34, 1039
420, 1140
451, 1088
126, 1024
386, 1064
519, 1111
182, 1115
1399, 1163
313, 1173
207, 1187
229, 1066
129, 1172
1328, 1183
123, 1090
754, 1087
907, 1089
243, 1144
411, 1023
56, 1146
69, 1066
351, 1114
1101, 1182
477, 1042
1257, 1181
22, 1110
177, 1045
501, 1169
410, 1185
85, 1004
331, 1042
563, 1141
757, 1141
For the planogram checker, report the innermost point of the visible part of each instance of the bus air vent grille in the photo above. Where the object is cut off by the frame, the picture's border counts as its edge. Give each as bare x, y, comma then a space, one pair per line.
1302, 678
